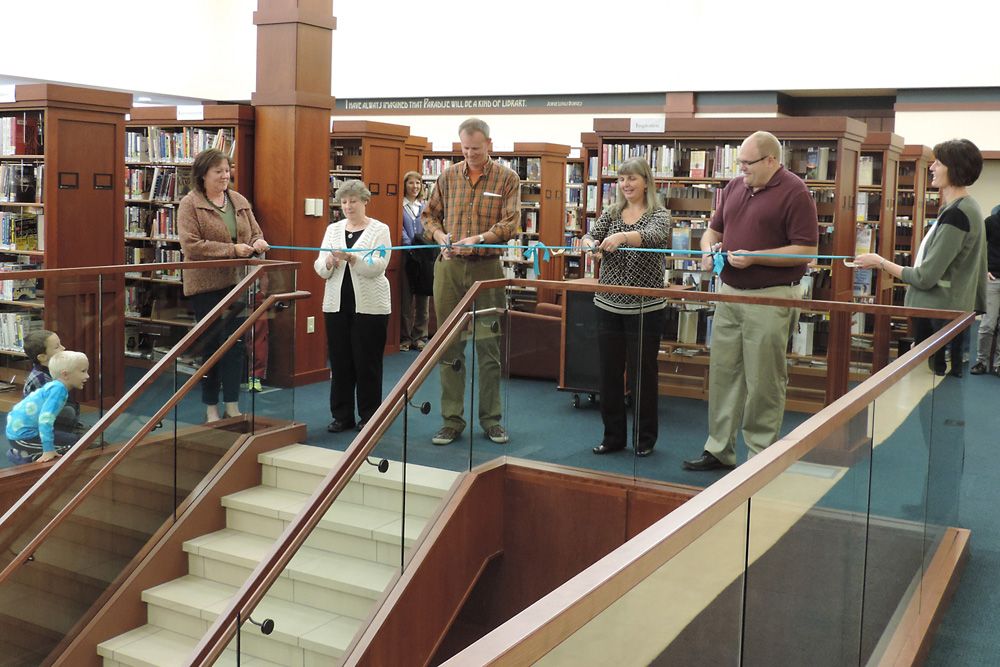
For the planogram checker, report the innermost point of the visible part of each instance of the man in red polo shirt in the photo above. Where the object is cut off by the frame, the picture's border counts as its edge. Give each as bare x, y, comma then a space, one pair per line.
768, 211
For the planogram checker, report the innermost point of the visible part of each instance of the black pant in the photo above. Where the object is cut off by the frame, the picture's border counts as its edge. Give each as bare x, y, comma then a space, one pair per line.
355, 343
924, 327
229, 371
621, 356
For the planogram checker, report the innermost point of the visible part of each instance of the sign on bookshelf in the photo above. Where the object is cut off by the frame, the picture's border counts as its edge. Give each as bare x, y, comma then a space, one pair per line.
648, 124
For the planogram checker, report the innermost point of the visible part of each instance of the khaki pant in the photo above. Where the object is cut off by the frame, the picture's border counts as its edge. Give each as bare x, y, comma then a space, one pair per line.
452, 279
748, 372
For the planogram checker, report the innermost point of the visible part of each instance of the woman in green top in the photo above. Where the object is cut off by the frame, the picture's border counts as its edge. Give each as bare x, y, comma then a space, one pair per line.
949, 269
215, 222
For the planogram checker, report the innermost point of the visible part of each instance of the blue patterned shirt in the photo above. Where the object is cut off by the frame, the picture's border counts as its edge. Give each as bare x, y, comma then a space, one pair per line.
37, 378
35, 416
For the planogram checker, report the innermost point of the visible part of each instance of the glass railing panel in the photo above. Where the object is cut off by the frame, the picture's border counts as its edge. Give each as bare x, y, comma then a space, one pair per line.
806, 556
486, 405
901, 472
267, 389
688, 611
339, 575
77, 562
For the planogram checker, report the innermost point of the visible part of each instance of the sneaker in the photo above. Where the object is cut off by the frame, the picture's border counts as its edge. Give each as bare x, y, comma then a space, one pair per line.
979, 369
445, 436
420, 344
404, 346
255, 385
497, 434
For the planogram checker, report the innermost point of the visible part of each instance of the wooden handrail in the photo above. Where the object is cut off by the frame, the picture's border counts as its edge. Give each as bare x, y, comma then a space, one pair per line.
144, 430
215, 640
126, 400
536, 630
287, 545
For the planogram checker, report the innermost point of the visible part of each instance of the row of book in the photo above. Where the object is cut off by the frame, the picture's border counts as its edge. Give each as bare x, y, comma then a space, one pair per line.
22, 230
22, 289
527, 168
435, 166
574, 172
661, 158
15, 326
22, 133
157, 223
21, 182
166, 184
156, 144
346, 157
813, 163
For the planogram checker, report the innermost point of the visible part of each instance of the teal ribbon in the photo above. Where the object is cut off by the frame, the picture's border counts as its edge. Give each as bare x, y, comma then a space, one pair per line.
540, 251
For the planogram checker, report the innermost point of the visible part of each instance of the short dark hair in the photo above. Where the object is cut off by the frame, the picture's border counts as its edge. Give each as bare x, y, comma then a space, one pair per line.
206, 159
963, 159
34, 343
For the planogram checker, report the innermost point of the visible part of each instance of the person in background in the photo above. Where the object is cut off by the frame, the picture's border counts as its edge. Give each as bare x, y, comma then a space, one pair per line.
629, 326
39, 346
31, 423
988, 359
215, 222
475, 201
413, 299
949, 270
768, 211
356, 307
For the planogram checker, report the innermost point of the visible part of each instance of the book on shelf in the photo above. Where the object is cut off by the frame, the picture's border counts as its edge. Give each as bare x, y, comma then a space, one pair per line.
698, 164
21, 133
866, 170
802, 338
861, 207
680, 239
817, 163
14, 326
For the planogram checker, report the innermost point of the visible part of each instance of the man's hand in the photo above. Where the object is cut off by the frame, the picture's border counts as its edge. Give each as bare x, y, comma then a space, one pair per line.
467, 241
444, 240
738, 260
708, 259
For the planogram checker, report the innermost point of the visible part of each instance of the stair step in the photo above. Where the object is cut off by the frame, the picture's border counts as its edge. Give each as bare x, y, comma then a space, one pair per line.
345, 517
302, 467
310, 567
295, 625
152, 646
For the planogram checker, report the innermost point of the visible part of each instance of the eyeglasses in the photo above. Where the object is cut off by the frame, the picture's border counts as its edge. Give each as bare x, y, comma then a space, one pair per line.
747, 163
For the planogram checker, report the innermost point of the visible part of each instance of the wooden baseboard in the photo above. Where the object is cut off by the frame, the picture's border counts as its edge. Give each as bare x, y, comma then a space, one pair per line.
911, 641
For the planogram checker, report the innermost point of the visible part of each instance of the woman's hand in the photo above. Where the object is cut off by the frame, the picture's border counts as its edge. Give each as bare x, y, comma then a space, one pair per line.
341, 256
331, 262
260, 245
612, 242
869, 261
243, 250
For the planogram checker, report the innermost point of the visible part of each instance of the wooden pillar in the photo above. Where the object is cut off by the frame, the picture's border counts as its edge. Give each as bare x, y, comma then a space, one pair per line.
293, 105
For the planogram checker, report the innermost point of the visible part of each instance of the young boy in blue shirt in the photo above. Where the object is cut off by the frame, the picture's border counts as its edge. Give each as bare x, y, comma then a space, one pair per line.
32, 421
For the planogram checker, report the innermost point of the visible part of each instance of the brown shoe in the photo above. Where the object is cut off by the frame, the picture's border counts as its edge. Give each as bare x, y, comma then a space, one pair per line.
497, 434
445, 436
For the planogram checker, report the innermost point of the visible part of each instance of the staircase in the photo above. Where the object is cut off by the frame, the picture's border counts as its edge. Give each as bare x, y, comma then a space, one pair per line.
45, 598
331, 585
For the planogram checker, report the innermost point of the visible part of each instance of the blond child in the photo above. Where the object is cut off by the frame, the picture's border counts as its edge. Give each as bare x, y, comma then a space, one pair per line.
31, 424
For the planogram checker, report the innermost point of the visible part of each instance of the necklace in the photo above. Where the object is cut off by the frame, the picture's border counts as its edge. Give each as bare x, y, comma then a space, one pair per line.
225, 201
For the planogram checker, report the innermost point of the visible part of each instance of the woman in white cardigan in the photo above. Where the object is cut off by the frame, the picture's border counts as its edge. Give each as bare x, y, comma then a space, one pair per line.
356, 308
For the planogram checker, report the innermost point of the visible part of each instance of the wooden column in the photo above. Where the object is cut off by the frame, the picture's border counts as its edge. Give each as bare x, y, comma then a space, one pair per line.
293, 105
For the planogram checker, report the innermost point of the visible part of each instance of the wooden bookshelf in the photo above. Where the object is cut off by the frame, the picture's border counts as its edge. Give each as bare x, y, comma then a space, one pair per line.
878, 182
377, 154
160, 145
69, 148
692, 161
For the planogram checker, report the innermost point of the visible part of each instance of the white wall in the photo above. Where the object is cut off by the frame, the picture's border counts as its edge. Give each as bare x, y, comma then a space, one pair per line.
206, 48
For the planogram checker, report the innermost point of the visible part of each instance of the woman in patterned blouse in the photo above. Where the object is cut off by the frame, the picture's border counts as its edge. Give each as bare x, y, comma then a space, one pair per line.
630, 325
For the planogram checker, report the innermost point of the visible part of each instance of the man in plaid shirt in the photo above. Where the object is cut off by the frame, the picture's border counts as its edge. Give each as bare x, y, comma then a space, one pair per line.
476, 201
